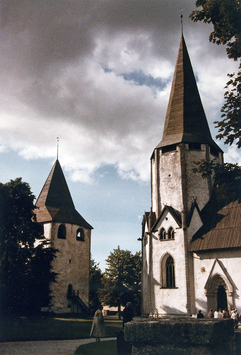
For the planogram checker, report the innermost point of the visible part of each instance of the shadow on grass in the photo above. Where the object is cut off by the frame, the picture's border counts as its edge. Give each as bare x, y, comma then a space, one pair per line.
48, 328
108, 347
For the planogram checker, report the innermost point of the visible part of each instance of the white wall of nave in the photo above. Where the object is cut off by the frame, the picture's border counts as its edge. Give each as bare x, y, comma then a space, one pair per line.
206, 266
169, 300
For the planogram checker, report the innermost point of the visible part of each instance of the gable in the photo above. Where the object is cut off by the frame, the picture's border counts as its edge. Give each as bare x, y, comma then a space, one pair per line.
165, 221
171, 213
218, 270
194, 220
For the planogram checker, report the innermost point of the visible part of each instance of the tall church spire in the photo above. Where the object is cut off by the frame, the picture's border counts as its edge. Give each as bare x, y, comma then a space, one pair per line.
55, 203
185, 118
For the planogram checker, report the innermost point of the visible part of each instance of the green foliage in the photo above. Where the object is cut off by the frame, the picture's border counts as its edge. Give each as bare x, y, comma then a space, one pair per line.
50, 328
230, 125
122, 278
25, 268
17, 215
227, 179
95, 284
225, 15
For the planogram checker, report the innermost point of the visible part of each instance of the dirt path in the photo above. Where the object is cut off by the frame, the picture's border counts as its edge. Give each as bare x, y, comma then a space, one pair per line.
50, 347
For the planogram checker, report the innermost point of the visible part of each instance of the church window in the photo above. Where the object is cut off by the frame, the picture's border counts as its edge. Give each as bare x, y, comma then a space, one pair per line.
194, 146
169, 148
214, 151
170, 233
162, 234
80, 235
167, 272
62, 232
170, 273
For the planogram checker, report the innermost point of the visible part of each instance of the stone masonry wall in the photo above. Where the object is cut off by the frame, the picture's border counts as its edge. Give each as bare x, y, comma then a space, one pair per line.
72, 265
180, 336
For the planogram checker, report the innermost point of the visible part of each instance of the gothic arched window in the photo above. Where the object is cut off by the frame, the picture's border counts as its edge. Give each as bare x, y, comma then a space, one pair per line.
80, 235
162, 234
170, 272
170, 233
62, 232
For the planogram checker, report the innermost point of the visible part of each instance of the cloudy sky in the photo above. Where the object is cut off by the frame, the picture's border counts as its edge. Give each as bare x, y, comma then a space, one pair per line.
97, 74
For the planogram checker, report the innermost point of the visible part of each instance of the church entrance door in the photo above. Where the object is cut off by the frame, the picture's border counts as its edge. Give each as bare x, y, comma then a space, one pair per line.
221, 297
217, 293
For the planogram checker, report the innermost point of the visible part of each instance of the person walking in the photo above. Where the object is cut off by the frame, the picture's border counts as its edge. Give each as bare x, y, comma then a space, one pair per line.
128, 313
98, 325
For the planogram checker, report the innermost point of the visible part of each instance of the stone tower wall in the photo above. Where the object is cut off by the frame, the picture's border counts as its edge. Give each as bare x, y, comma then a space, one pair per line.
197, 187
72, 264
173, 181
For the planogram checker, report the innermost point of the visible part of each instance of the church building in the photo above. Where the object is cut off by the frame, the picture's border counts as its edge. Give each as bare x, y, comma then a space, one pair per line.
70, 234
191, 246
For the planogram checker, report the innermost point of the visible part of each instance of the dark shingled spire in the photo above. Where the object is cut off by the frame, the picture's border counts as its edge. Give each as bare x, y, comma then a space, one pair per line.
55, 203
185, 118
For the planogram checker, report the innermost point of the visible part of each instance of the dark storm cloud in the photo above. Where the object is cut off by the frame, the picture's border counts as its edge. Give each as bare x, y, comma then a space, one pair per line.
42, 32
99, 67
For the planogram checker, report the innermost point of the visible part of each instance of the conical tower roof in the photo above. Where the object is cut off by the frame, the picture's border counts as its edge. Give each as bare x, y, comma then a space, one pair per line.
185, 118
55, 203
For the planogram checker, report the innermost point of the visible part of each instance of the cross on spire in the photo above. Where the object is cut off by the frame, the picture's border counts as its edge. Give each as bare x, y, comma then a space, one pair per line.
181, 17
57, 148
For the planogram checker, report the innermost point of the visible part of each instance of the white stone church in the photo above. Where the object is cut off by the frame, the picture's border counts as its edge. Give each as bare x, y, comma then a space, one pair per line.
191, 247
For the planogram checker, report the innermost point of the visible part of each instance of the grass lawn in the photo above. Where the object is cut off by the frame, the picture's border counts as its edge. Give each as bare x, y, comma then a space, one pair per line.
51, 328
101, 348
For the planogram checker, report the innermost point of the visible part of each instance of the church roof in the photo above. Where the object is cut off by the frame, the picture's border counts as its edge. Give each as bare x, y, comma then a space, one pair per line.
222, 230
185, 118
55, 203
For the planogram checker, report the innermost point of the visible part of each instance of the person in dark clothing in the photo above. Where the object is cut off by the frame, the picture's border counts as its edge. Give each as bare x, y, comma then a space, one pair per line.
127, 314
200, 315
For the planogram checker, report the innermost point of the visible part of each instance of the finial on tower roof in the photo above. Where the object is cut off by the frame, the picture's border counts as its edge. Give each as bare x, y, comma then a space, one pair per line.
57, 148
181, 16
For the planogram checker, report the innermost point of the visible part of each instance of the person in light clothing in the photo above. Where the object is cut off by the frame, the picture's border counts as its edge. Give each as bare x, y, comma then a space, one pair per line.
98, 325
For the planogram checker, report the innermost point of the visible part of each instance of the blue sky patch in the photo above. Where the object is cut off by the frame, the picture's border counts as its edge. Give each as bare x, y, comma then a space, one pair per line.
141, 79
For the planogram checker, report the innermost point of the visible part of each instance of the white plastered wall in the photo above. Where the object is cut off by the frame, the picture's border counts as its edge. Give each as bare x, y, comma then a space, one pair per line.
227, 265
169, 300
145, 273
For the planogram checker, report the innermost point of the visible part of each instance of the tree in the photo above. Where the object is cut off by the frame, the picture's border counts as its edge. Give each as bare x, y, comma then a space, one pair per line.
225, 15
95, 284
25, 267
122, 278
227, 180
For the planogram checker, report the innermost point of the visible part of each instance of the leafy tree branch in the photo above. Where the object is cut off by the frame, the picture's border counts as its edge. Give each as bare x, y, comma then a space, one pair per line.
225, 16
